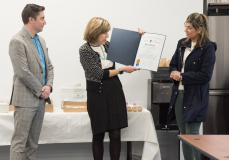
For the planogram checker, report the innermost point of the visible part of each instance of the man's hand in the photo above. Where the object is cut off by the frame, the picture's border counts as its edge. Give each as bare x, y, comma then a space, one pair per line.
46, 92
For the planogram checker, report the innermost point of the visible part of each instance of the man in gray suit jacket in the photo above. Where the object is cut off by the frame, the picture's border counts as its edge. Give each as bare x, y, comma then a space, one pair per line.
32, 83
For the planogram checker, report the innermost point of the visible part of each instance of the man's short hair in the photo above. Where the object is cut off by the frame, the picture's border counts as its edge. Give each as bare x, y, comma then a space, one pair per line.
31, 10
95, 27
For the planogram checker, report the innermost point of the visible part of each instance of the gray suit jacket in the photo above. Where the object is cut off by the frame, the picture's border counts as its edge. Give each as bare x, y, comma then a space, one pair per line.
28, 71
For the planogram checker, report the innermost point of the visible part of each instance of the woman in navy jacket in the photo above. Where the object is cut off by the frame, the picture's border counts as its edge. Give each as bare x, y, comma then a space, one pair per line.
191, 69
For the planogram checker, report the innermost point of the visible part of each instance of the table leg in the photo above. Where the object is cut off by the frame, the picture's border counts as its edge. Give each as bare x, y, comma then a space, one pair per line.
129, 150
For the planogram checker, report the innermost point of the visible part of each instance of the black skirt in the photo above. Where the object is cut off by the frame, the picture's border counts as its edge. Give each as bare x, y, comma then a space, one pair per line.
107, 110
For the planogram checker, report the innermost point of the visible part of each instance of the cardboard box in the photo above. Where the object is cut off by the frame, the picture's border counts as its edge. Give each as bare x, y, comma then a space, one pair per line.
49, 107
167, 63
162, 62
71, 106
11, 108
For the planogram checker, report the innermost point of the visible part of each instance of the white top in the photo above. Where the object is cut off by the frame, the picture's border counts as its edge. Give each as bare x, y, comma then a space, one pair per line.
103, 56
186, 54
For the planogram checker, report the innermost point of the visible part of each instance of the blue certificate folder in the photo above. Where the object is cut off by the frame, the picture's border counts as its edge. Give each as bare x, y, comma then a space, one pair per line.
123, 46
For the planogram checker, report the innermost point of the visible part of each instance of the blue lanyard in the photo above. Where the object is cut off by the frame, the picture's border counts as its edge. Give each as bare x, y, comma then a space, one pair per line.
104, 55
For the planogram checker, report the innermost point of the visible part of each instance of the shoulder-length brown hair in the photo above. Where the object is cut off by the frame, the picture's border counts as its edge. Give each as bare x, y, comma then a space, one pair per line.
198, 20
95, 27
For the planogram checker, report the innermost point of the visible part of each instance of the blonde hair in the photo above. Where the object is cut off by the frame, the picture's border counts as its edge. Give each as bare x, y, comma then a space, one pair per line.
198, 20
95, 27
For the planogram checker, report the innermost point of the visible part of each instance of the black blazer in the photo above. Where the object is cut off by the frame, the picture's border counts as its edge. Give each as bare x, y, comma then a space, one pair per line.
91, 63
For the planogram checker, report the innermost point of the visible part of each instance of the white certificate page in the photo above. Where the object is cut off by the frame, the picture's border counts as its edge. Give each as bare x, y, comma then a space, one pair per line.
149, 51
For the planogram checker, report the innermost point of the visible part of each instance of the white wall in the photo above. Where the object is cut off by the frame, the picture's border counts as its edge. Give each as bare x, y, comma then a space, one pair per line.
66, 21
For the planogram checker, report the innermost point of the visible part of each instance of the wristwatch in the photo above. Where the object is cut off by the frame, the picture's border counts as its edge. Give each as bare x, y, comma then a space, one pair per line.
120, 71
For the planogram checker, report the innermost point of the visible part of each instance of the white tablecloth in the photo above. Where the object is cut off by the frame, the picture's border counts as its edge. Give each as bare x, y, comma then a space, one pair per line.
75, 128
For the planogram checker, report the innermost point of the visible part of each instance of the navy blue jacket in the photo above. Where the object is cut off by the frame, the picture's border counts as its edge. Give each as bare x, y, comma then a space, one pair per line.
198, 70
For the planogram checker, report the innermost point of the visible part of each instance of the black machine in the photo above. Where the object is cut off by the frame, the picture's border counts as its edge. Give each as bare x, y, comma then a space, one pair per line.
159, 94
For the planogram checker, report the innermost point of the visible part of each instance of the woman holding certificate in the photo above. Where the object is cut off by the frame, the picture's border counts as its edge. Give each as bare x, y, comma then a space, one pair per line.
191, 69
105, 98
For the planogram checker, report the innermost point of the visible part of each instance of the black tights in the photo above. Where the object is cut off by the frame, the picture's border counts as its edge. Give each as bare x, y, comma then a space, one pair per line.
115, 145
